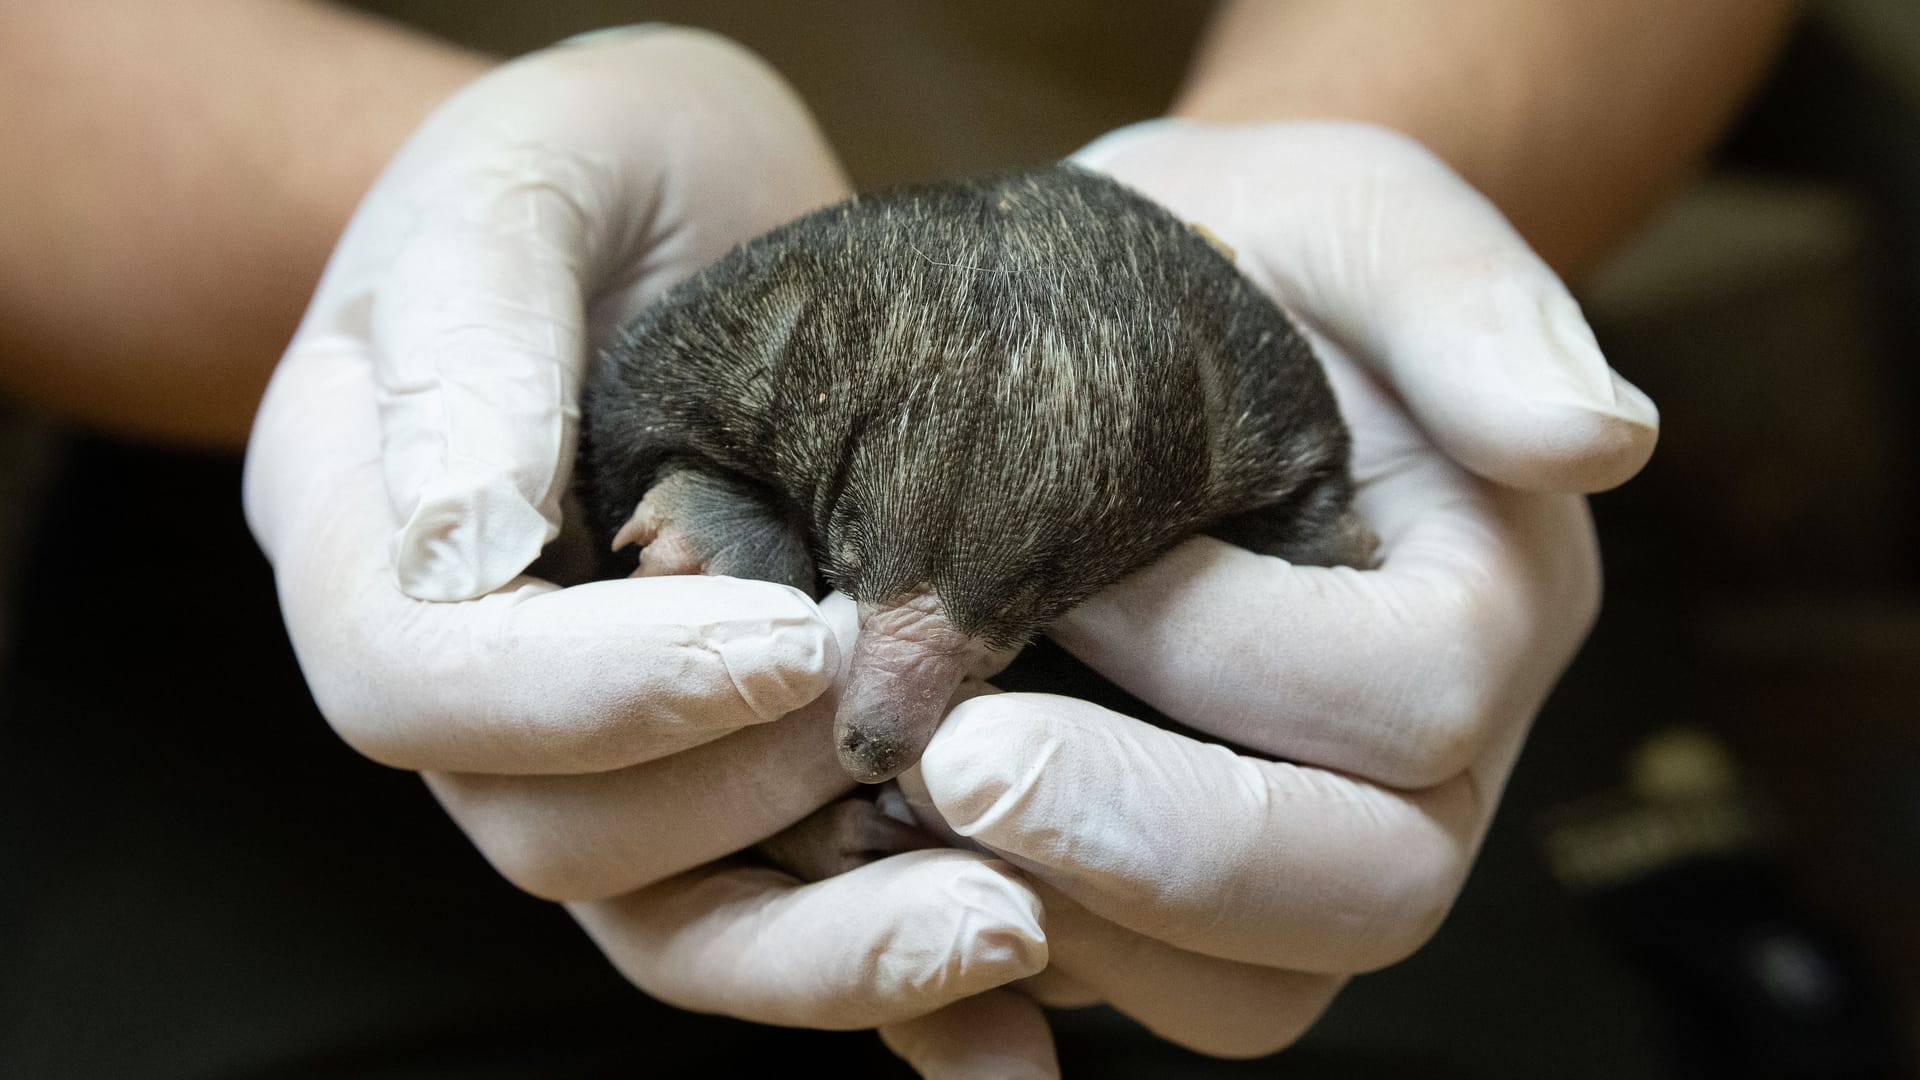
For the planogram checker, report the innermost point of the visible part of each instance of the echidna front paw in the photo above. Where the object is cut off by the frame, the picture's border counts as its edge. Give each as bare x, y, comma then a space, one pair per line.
665, 547
695, 522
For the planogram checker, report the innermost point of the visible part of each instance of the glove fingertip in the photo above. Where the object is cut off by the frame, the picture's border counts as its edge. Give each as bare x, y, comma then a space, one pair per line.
1566, 447
1096, 154
751, 651
1002, 916
998, 1035
975, 769
1506, 376
464, 546
782, 666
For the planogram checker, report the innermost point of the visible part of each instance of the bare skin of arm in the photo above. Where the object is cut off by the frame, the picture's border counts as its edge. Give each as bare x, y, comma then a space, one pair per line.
1575, 118
191, 164
179, 173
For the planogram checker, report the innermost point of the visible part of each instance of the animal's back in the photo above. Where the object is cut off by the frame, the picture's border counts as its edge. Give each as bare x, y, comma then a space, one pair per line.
1006, 376
969, 406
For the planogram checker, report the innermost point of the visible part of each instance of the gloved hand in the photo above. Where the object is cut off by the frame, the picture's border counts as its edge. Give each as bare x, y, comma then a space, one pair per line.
1222, 899
597, 743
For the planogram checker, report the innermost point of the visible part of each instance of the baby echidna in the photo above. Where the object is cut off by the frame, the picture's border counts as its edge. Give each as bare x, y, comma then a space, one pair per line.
968, 406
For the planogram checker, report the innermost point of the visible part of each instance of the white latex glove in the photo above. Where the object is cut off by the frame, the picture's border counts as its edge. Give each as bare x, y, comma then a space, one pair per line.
598, 743
1221, 899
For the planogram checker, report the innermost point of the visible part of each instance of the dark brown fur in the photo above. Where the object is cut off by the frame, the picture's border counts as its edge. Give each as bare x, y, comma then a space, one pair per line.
1016, 390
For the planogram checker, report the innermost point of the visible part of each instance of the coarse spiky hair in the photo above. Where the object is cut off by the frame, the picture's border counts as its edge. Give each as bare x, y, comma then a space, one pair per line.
1015, 391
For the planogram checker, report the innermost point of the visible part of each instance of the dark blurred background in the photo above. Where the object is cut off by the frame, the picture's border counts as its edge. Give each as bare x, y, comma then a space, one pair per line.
1708, 861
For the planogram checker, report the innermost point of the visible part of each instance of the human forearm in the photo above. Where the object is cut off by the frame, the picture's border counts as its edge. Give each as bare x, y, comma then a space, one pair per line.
1574, 118
180, 172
